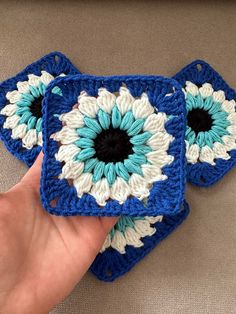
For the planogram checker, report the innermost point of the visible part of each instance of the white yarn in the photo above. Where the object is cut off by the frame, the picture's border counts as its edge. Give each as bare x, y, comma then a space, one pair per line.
71, 170
67, 152
124, 101
83, 183
106, 100
155, 122
142, 108
19, 131
9, 110
73, 119
30, 139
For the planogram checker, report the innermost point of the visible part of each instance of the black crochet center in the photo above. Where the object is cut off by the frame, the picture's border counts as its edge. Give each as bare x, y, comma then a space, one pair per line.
112, 145
36, 107
199, 120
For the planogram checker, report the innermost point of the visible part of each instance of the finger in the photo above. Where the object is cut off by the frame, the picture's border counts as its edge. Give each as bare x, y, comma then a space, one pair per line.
32, 177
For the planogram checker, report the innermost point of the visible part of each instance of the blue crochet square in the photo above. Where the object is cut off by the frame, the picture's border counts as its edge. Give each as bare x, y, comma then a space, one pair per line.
131, 240
113, 146
211, 123
20, 105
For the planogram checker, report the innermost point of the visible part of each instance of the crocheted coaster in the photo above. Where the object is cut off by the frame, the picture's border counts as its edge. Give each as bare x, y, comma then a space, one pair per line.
131, 240
211, 123
21, 101
113, 145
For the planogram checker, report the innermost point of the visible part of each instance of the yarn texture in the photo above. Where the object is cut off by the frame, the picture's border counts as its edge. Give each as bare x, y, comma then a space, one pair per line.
211, 123
21, 100
131, 239
112, 142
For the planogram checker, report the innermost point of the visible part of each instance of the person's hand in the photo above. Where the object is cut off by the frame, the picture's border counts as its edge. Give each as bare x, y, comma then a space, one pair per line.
42, 257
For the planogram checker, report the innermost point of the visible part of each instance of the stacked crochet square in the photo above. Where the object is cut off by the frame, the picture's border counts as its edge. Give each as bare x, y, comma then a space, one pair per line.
211, 123
21, 100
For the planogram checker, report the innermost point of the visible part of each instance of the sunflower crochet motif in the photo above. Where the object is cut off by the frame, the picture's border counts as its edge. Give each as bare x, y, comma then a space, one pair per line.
113, 147
112, 142
21, 99
211, 123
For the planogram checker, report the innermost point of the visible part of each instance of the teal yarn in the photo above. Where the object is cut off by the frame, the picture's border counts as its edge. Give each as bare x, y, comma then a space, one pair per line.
127, 121
122, 171
104, 119
115, 117
98, 171
85, 154
140, 139
136, 127
110, 173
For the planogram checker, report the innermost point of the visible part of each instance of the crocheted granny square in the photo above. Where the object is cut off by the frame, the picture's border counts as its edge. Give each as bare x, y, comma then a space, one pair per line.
113, 145
131, 239
211, 123
21, 102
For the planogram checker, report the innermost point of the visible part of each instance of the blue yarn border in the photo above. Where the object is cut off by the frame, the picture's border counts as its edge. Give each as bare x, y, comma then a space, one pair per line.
165, 197
110, 264
200, 72
55, 63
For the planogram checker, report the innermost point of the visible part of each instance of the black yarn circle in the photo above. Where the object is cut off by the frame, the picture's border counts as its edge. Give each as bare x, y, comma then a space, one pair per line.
199, 120
36, 107
112, 145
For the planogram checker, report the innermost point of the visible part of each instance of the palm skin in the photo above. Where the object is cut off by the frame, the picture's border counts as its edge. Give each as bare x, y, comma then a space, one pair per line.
42, 257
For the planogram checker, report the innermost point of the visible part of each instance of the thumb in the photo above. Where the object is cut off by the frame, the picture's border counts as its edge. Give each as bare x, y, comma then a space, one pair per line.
32, 177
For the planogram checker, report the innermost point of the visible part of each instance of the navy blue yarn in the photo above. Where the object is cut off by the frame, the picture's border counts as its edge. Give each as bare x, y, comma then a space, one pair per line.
166, 196
55, 63
110, 264
199, 72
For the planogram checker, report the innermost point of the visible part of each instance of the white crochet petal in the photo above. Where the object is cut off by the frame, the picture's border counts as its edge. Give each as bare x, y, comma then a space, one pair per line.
19, 131
71, 170
232, 118
106, 100
206, 90
88, 105
139, 186
152, 173
73, 119
232, 130
219, 96
155, 219
159, 158
8, 110
229, 142
132, 237
30, 139
23, 87
13, 96
118, 242
34, 80
46, 78
120, 190
11, 122
229, 106
83, 183
66, 135
160, 140
141, 107
192, 153
191, 88
124, 101
220, 151
143, 228
155, 122
67, 152
101, 191
207, 155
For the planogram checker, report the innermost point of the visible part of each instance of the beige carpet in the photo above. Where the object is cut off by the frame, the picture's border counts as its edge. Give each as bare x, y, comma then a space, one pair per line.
194, 270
